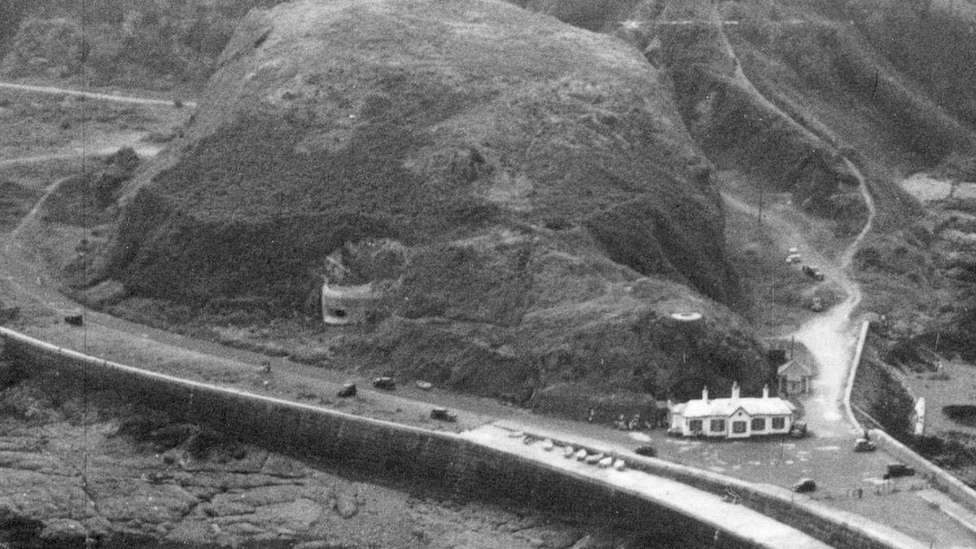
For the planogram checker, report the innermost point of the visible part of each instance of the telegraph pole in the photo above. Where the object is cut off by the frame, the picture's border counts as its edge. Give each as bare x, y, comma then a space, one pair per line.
759, 216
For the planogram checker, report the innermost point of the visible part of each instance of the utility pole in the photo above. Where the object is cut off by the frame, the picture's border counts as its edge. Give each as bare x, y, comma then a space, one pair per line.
759, 217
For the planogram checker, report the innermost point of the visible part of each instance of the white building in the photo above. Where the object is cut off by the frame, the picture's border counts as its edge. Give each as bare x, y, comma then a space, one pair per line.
733, 417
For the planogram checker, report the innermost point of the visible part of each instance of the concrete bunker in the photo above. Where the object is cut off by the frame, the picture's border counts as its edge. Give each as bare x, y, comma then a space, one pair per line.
343, 305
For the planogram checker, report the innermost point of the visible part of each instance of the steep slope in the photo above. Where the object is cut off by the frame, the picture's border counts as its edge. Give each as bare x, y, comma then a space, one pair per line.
551, 208
143, 43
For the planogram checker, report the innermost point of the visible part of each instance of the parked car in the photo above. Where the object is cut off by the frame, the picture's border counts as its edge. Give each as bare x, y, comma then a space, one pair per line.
348, 390
898, 470
794, 258
805, 485
386, 383
816, 305
74, 319
864, 445
813, 272
441, 414
798, 430
647, 451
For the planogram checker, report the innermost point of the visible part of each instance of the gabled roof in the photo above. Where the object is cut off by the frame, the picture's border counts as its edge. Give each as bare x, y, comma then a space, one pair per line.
796, 367
726, 407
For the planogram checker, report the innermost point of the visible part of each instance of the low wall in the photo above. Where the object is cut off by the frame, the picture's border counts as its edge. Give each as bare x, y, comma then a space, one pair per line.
446, 461
955, 488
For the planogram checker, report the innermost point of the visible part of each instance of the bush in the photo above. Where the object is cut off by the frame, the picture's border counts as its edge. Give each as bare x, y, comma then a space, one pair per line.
961, 413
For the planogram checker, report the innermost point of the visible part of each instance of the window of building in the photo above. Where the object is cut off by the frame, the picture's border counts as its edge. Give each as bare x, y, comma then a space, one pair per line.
695, 425
758, 424
739, 427
779, 422
717, 425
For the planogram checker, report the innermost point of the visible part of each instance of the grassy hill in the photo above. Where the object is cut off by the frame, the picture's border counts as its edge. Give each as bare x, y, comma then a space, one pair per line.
552, 208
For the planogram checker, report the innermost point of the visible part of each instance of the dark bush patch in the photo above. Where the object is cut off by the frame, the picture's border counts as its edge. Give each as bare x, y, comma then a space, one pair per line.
961, 413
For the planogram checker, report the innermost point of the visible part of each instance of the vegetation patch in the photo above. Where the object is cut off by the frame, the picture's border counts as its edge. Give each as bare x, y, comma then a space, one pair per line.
961, 413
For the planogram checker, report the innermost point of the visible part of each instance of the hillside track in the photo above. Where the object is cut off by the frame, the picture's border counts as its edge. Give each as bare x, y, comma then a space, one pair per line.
831, 336
93, 95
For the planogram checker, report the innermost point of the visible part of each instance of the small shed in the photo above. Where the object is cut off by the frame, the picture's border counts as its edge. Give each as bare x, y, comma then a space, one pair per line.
794, 378
349, 304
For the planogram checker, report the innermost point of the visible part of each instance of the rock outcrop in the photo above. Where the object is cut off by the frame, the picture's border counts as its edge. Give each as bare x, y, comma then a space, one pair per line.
75, 471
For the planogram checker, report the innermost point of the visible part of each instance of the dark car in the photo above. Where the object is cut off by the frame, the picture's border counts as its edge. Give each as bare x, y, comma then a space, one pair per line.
805, 485
647, 451
898, 470
386, 383
74, 319
441, 414
865, 445
813, 272
799, 430
348, 390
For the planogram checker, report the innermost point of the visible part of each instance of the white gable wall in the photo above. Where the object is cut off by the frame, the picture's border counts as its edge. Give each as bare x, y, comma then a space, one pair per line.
739, 424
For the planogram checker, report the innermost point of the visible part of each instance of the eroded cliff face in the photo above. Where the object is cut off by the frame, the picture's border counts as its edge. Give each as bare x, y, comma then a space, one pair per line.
553, 208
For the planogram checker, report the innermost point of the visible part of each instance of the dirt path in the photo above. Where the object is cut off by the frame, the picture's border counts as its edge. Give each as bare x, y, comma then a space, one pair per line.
93, 95
830, 337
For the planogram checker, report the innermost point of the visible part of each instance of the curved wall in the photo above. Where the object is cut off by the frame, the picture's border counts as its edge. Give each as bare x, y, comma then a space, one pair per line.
448, 462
